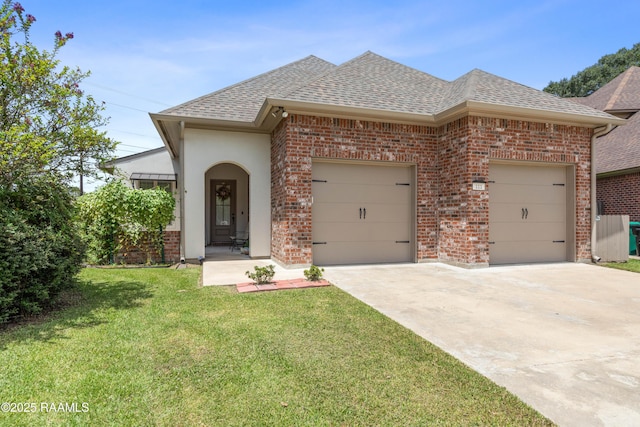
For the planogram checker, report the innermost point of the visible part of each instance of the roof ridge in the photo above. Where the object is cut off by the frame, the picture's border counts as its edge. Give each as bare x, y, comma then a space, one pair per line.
228, 88
621, 86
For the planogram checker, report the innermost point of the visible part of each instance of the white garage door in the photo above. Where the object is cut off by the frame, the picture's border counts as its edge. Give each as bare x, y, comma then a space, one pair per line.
527, 214
361, 213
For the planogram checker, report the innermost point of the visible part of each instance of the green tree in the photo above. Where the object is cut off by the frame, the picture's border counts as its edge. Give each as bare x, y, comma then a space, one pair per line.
47, 123
47, 134
592, 78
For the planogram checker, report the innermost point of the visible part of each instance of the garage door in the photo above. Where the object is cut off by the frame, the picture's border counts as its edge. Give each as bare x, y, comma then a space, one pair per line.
527, 214
361, 213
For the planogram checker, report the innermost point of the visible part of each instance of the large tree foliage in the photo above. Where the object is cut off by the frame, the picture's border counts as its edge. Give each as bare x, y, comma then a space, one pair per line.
47, 123
116, 216
47, 134
592, 78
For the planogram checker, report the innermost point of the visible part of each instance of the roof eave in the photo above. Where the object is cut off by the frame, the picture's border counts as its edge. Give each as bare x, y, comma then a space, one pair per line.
168, 126
349, 112
523, 113
618, 172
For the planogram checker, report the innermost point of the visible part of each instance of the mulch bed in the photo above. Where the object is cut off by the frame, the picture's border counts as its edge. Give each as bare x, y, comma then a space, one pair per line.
280, 284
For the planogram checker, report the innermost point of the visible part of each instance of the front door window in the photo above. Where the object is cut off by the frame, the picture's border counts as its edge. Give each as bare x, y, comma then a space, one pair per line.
223, 204
224, 216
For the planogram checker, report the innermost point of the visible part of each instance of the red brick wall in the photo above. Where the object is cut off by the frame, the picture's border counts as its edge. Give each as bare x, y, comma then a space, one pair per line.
539, 142
138, 254
452, 220
620, 195
301, 138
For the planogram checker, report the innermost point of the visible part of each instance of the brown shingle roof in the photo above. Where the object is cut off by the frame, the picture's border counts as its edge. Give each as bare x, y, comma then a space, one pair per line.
242, 101
374, 83
480, 86
371, 81
620, 94
620, 148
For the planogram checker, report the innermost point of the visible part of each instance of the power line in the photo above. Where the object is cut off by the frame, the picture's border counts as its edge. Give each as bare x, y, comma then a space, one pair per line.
127, 94
125, 106
134, 133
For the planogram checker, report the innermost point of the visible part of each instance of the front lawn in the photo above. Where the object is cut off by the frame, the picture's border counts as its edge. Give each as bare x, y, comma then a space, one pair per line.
631, 265
149, 347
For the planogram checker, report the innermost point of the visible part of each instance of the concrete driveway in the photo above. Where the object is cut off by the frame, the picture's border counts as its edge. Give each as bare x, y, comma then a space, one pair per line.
565, 338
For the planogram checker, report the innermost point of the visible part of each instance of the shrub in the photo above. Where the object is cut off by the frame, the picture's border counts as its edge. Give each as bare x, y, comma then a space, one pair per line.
314, 273
40, 249
116, 216
262, 274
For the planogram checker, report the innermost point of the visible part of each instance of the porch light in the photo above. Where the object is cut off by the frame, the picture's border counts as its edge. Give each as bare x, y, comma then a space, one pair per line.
280, 111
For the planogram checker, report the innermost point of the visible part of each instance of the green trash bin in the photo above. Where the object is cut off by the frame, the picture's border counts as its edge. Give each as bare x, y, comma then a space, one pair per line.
633, 226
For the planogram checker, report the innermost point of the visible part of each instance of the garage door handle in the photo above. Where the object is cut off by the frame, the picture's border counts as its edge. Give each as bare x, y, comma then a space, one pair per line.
360, 213
364, 211
522, 210
526, 213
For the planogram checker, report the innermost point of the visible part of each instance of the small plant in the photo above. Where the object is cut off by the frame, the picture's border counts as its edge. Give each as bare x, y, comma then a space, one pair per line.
314, 273
262, 274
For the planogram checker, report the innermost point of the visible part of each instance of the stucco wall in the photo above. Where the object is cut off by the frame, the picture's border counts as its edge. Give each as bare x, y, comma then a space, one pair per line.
204, 149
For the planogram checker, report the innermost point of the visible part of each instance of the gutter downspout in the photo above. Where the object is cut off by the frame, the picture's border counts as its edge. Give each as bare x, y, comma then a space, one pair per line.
594, 202
181, 198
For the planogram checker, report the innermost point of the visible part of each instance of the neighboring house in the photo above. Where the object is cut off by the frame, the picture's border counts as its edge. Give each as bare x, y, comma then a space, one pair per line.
618, 152
146, 170
372, 161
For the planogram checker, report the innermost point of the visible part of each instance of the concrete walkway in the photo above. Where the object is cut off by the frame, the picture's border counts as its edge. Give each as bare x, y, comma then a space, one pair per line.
565, 338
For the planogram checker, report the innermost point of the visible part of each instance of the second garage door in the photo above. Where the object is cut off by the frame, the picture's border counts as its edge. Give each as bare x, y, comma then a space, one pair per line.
527, 214
361, 213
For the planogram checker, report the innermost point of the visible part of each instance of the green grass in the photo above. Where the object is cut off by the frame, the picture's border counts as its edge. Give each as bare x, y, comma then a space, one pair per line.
631, 265
145, 347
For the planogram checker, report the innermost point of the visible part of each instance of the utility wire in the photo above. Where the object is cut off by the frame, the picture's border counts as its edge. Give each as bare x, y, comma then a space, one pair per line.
126, 94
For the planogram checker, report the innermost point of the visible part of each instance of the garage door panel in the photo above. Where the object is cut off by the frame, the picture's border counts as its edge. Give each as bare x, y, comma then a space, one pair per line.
538, 231
342, 232
527, 175
527, 213
361, 252
360, 193
341, 173
526, 251
505, 212
529, 193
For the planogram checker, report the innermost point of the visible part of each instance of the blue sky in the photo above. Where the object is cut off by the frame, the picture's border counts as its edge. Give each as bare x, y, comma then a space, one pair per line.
146, 55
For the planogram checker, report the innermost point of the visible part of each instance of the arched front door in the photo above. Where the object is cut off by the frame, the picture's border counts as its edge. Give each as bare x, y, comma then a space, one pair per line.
223, 211
227, 203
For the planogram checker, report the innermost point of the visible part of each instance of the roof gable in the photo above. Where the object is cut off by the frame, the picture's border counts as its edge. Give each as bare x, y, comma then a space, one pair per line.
482, 87
373, 82
620, 94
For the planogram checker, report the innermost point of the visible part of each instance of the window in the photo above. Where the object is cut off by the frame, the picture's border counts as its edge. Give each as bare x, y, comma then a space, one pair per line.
148, 185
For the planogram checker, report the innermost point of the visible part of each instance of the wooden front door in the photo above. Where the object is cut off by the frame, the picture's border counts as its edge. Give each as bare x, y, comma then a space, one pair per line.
223, 211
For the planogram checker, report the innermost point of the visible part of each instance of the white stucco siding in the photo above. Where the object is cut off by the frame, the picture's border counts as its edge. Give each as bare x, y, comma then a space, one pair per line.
151, 162
156, 162
204, 149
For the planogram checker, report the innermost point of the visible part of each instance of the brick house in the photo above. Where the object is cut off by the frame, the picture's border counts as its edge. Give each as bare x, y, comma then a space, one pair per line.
372, 161
618, 152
